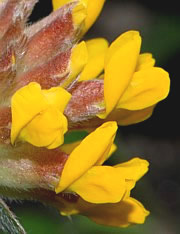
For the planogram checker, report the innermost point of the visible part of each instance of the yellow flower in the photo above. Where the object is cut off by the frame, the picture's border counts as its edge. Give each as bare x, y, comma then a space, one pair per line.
37, 115
84, 174
131, 82
104, 190
93, 9
87, 154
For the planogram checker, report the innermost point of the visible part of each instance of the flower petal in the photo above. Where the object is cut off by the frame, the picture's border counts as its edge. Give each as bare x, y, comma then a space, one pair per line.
106, 156
120, 64
59, 3
79, 15
68, 148
126, 117
57, 97
92, 149
133, 169
79, 58
93, 10
100, 184
96, 50
79, 12
26, 103
46, 130
31, 117
147, 87
145, 61
122, 214
105, 184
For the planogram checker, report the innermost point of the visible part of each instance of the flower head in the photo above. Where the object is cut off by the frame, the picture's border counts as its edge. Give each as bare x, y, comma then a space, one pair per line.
52, 83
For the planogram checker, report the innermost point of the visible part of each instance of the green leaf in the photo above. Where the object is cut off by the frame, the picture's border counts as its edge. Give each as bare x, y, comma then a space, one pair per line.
8, 221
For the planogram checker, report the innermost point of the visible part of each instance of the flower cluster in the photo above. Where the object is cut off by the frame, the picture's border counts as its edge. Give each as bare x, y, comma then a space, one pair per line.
52, 82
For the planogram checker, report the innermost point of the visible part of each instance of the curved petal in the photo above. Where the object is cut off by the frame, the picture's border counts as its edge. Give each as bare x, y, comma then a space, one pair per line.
100, 184
120, 65
107, 155
57, 97
31, 117
96, 54
105, 184
93, 10
78, 60
46, 130
79, 13
121, 214
126, 117
26, 103
147, 87
145, 61
92, 149
59, 3
68, 148
132, 170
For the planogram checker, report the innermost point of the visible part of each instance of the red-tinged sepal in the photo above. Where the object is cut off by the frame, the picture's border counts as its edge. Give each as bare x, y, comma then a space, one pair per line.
50, 74
47, 38
5, 122
28, 167
87, 101
13, 17
49, 49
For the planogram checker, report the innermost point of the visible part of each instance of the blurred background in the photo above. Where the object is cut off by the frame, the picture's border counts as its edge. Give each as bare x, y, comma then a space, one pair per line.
157, 139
